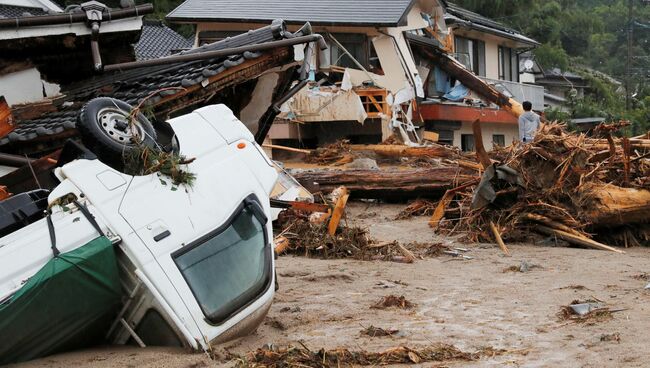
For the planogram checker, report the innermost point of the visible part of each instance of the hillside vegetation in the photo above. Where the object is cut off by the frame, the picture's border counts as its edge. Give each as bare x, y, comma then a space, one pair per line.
579, 35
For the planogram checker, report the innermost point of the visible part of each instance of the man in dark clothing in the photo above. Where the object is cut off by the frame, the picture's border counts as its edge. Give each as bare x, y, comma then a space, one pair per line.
529, 123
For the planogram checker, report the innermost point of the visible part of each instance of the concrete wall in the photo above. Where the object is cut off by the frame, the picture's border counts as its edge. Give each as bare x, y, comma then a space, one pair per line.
510, 131
26, 86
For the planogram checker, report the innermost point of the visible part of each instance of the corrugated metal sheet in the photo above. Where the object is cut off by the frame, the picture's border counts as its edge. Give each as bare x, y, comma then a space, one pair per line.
325, 12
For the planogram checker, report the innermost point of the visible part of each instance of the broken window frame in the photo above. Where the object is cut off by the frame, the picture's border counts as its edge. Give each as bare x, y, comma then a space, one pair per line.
347, 40
475, 54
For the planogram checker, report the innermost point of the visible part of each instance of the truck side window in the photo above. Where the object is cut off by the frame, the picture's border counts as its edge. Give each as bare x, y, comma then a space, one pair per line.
230, 267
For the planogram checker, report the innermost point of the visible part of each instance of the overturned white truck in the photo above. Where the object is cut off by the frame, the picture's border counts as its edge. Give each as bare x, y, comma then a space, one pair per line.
135, 259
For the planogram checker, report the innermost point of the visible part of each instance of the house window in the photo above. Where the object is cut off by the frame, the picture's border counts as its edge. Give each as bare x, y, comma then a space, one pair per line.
471, 53
499, 140
508, 64
445, 136
355, 43
467, 142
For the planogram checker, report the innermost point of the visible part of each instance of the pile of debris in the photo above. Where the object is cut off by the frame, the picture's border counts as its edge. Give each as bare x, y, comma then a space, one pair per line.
302, 357
565, 185
588, 191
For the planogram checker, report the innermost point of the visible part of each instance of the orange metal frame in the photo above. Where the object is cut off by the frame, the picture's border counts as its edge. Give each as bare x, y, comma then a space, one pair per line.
464, 113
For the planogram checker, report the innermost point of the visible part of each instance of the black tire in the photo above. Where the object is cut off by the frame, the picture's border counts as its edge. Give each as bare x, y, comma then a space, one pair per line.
104, 136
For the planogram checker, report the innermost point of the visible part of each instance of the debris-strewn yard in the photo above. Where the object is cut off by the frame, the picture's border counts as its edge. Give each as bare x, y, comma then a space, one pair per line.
489, 310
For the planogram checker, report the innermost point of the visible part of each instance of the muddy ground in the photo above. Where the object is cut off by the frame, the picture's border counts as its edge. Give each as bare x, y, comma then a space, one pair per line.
468, 303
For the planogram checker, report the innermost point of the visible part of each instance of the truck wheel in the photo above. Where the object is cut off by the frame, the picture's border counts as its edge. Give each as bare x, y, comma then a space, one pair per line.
104, 127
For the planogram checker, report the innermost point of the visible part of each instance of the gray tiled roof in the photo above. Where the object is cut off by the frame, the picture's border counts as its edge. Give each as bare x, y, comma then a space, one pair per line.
133, 86
157, 40
12, 11
325, 12
456, 14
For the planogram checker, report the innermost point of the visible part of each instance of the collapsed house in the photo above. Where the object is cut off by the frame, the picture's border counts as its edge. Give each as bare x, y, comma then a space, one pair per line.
165, 87
371, 79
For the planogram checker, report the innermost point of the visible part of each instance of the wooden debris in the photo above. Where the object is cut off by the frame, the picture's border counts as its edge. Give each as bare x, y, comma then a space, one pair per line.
6, 118
339, 208
373, 331
497, 237
393, 301
281, 245
575, 239
302, 357
406, 151
419, 207
289, 149
569, 189
481, 154
397, 183
430, 136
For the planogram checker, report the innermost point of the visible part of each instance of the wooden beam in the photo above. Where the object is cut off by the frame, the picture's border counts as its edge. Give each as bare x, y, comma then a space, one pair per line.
576, 240
498, 239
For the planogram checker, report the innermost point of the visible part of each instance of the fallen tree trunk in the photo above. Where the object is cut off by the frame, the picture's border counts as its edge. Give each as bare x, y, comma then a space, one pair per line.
394, 150
610, 205
386, 184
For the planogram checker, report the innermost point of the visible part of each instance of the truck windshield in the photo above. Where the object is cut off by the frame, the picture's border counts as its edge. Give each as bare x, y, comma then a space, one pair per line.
228, 268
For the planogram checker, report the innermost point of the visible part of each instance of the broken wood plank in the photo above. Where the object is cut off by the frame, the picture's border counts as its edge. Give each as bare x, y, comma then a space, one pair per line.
430, 136
440, 210
498, 239
284, 148
281, 245
386, 183
338, 211
577, 240
410, 257
299, 205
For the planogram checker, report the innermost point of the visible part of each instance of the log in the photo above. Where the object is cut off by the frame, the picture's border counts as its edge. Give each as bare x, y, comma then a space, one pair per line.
481, 154
386, 183
609, 205
395, 150
577, 240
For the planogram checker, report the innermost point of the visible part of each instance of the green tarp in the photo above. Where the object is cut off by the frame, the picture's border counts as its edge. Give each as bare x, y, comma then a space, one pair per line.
68, 304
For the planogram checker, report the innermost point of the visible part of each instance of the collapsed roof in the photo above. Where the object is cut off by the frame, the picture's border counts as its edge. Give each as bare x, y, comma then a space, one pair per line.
455, 15
169, 89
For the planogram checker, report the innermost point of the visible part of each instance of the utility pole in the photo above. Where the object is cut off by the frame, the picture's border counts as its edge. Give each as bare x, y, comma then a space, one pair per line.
630, 35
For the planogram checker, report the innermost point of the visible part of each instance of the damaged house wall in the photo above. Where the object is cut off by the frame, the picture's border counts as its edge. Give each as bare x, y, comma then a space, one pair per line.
395, 72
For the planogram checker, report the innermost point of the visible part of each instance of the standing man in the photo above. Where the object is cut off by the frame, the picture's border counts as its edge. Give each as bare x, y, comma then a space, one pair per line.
528, 123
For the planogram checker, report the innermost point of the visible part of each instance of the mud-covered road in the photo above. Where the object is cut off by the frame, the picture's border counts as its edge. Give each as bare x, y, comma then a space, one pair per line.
471, 304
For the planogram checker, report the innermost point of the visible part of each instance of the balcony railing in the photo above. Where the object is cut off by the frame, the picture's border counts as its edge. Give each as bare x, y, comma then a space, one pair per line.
520, 91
